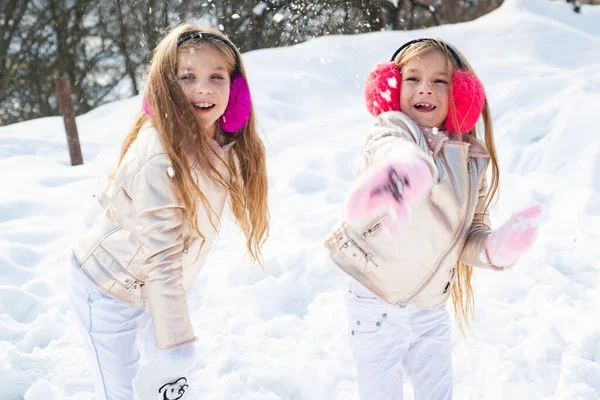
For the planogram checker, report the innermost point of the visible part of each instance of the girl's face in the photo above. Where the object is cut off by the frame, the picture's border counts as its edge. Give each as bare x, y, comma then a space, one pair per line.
204, 78
425, 89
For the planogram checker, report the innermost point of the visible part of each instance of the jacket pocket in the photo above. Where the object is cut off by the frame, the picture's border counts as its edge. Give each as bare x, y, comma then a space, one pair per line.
116, 270
362, 324
374, 227
365, 315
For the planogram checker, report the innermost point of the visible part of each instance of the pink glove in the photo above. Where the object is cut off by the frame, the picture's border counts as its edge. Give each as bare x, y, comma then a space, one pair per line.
391, 188
506, 244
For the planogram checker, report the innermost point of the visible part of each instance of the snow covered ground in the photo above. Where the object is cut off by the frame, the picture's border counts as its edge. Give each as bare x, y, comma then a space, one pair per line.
281, 333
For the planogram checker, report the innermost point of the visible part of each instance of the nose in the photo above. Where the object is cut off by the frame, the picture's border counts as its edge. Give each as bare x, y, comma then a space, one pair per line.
203, 90
425, 87
203, 87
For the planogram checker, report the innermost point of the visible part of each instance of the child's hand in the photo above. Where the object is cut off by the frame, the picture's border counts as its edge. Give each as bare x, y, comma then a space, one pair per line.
391, 188
167, 375
506, 244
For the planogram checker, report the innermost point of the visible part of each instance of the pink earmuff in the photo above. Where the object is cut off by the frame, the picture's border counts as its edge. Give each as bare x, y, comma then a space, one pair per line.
382, 88
238, 108
146, 105
382, 93
469, 97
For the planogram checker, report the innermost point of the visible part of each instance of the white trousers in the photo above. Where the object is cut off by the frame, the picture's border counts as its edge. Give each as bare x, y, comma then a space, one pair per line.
114, 333
390, 341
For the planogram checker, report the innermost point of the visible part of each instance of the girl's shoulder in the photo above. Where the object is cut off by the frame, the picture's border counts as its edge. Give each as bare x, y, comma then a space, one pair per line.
147, 144
477, 148
394, 123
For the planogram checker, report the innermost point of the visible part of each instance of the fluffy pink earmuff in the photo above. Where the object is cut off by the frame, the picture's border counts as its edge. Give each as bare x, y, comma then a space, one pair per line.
238, 108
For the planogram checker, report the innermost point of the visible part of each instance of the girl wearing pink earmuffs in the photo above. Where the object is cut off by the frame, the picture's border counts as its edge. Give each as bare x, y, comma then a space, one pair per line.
193, 147
416, 221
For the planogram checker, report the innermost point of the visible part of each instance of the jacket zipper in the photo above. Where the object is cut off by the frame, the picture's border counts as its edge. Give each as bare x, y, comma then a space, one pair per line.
374, 226
447, 287
133, 284
186, 241
367, 256
458, 236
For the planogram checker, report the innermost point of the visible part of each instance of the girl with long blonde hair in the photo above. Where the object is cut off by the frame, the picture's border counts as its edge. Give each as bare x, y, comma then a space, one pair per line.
194, 146
416, 222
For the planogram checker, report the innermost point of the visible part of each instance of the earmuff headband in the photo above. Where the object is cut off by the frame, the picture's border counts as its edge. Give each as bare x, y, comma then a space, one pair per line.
448, 47
199, 35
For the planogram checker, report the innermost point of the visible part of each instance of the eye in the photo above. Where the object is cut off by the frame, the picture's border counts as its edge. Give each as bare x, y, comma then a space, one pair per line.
217, 76
187, 77
411, 78
441, 81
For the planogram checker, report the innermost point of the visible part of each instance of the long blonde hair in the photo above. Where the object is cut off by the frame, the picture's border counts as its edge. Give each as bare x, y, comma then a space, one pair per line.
185, 139
462, 291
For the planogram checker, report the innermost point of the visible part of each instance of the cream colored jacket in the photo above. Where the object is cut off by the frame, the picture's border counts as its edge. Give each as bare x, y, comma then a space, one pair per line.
418, 264
139, 249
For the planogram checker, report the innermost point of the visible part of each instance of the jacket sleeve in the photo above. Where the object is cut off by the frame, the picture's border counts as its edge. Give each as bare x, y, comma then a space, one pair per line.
396, 138
473, 252
158, 221
97, 203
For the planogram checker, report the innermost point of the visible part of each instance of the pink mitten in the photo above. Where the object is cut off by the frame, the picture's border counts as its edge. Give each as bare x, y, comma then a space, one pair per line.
391, 187
506, 244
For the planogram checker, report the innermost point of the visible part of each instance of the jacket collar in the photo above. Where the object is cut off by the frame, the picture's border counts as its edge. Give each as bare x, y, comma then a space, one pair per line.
435, 140
219, 143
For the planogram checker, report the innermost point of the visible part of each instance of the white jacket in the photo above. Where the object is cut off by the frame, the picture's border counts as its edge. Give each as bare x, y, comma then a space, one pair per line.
139, 249
418, 264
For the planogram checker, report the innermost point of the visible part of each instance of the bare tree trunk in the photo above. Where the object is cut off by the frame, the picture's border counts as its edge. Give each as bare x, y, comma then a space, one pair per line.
429, 9
411, 15
396, 20
121, 42
258, 24
11, 14
150, 25
165, 15
62, 53
389, 14
41, 99
63, 90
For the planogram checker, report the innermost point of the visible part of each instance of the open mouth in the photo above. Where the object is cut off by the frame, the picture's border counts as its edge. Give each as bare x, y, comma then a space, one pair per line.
204, 106
425, 107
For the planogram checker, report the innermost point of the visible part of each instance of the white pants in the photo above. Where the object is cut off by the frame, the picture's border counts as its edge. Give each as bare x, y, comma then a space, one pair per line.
389, 341
114, 333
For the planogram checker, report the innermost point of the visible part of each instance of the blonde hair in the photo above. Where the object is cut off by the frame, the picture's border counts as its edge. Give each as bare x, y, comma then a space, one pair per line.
462, 291
184, 139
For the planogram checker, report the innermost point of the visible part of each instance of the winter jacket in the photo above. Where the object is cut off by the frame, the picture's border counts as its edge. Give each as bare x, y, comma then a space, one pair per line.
417, 265
140, 249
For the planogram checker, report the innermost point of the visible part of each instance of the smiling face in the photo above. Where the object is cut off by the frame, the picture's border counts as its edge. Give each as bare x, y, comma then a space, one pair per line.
203, 76
425, 89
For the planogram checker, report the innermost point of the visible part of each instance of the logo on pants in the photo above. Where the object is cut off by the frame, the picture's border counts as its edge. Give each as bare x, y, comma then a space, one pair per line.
174, 390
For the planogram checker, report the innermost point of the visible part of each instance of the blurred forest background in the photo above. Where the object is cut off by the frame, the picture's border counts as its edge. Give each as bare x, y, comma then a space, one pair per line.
103, 46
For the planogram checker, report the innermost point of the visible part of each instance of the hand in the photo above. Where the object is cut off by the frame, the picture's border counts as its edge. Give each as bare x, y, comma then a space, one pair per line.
391, 188
506, 244
168, 375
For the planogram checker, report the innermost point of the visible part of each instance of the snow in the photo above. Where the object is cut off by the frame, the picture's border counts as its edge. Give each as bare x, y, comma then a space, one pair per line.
260, 8
280, 333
